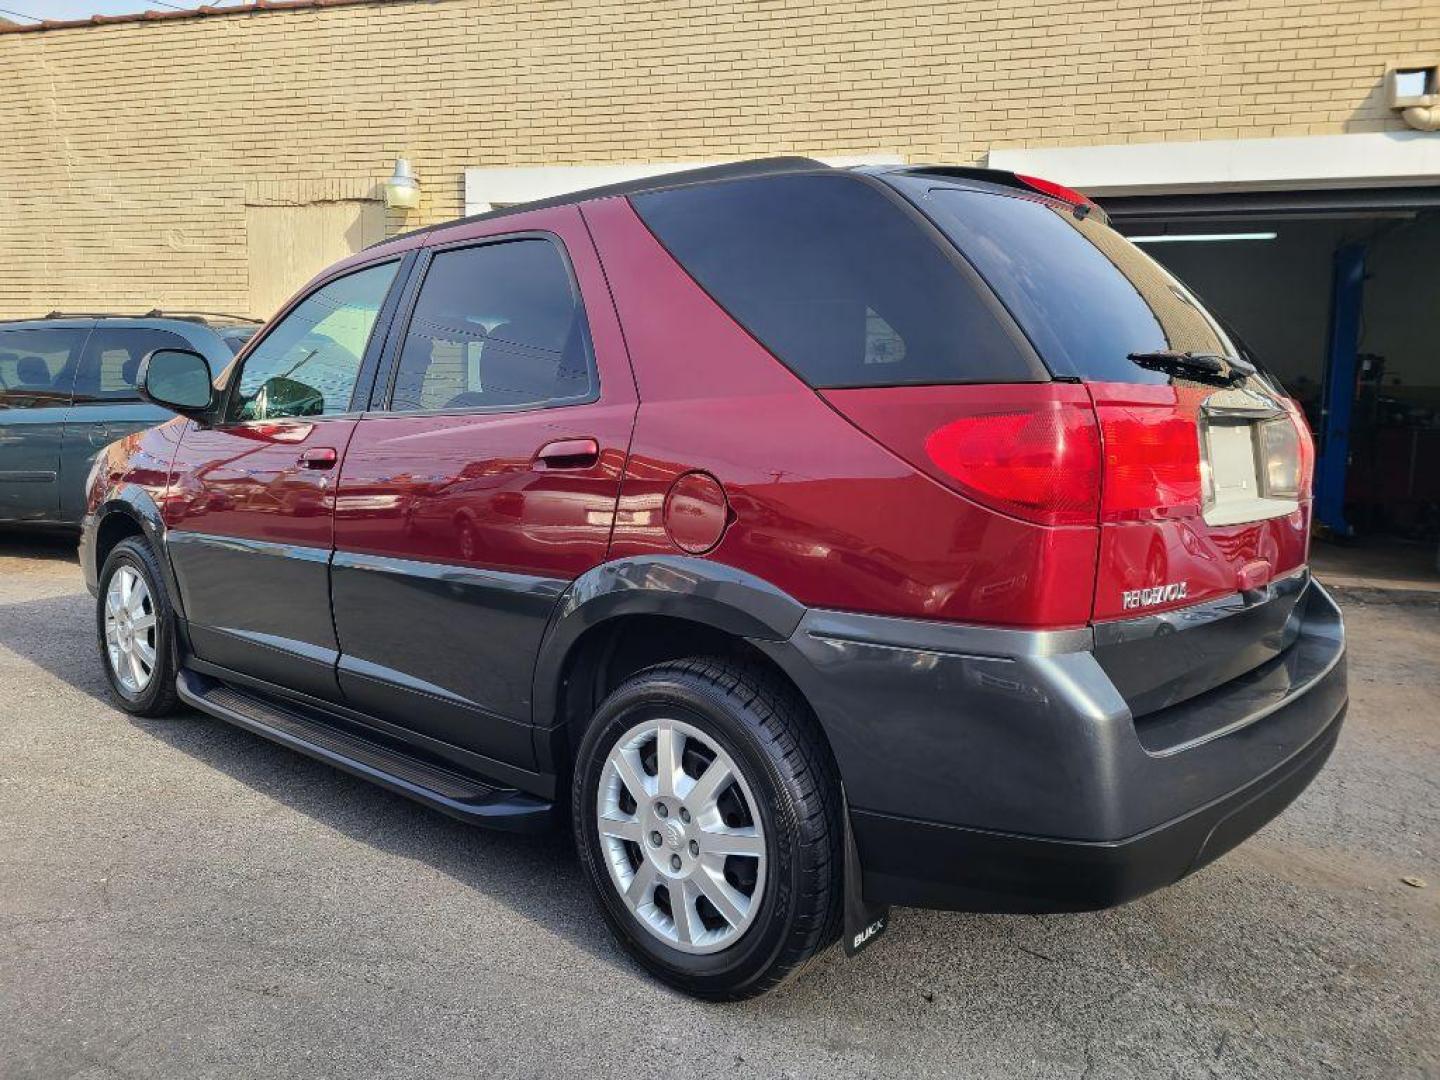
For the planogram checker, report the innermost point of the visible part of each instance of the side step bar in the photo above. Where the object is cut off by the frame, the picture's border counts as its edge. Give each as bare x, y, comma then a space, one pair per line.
307, 731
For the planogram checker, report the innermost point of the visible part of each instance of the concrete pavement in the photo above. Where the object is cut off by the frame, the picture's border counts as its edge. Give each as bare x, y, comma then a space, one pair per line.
182, 899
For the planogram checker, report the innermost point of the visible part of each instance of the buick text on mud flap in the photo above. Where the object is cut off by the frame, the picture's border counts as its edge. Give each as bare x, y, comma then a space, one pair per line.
863, 938
1160, 594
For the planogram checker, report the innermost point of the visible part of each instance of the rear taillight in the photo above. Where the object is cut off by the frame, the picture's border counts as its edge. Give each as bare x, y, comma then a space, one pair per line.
1278, 445
1035, 456
1052, 453
1151, 451
1293, 454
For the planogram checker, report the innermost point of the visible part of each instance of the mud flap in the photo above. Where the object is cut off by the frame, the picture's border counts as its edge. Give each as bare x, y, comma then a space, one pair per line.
863, 922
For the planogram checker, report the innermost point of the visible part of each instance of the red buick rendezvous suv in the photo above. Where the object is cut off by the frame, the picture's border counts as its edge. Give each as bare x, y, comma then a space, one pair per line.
812, 540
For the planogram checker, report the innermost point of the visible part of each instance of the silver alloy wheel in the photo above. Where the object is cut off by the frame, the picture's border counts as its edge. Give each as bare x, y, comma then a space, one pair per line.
130, 630
689, 876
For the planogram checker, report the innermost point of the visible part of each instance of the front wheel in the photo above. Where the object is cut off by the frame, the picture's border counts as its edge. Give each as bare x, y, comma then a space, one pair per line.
706, 813
136, 627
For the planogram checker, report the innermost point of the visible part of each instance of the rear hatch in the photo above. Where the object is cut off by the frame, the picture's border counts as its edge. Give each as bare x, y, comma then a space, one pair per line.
1123, 462
1204, 508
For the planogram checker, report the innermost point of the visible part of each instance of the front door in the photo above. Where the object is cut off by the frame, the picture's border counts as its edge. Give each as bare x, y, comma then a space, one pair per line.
485, 482
250, 508
37, 370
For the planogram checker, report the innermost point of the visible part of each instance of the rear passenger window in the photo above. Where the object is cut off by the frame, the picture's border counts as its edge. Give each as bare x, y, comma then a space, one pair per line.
496, 326
836, 280
37, 367
112, 360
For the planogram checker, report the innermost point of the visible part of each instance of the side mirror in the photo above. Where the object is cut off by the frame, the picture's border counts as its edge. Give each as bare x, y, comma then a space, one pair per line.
179, 380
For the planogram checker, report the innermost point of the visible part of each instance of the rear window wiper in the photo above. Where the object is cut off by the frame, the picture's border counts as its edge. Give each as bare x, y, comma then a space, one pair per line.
1204, 367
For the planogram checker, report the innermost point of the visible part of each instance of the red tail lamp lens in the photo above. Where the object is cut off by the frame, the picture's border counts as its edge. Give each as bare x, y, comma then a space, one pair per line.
1307, 446
1040, 464
1152, 463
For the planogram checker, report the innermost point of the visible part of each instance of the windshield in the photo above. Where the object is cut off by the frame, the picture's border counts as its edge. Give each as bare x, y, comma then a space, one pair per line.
1087, 297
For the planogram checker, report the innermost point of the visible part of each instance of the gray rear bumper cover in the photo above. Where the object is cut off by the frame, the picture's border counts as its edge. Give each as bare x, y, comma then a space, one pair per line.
1024, 735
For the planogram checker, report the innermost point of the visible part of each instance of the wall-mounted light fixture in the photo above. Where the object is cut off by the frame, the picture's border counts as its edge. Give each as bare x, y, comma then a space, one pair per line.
402, 190
1414, 89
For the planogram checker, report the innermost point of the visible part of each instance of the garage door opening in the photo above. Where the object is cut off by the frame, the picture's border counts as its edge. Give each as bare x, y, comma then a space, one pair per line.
1335, 292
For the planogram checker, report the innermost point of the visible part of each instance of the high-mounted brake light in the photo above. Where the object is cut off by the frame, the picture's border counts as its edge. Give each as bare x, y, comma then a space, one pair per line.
1054, 190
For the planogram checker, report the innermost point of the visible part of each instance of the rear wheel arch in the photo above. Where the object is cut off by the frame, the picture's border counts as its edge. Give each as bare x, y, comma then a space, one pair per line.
609, 653
628, 615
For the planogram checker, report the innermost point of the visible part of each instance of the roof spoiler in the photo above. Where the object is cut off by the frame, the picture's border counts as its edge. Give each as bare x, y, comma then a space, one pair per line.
1081, 204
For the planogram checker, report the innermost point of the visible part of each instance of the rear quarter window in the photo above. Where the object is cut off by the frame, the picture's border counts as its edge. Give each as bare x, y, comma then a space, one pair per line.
1084, 295
839, 282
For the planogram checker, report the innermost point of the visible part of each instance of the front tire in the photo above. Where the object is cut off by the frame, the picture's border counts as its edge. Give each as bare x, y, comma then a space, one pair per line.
706, 812
136, 628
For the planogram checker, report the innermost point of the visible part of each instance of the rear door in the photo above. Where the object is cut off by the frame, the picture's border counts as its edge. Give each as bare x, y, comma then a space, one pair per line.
482, 484
37, 371
106, 406
250, 507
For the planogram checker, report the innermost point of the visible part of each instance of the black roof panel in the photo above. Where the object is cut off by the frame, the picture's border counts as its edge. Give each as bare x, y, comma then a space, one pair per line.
706, 174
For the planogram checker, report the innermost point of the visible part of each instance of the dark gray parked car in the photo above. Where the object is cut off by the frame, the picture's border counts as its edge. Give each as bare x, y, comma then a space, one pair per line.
67, 388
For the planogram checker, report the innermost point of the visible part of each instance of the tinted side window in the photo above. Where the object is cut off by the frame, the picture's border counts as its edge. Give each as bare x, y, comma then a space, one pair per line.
496, 326
1085, 295
308, 363
112, 359
37, 367
837, 281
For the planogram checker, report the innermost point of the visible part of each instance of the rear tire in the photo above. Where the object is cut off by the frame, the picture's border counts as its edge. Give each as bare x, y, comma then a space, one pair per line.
743, 887
136, 628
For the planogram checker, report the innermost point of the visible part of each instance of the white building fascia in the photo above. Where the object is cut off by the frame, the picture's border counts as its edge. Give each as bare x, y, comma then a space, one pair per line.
1375, 159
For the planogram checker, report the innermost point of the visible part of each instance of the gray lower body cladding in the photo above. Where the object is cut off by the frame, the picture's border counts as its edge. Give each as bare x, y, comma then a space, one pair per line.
1007, 771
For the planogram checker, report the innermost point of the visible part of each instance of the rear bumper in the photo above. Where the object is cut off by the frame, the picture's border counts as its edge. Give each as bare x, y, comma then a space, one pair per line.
925, 864
1005, 771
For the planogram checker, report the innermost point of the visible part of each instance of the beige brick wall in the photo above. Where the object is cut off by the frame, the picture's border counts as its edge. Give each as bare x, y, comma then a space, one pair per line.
129, 152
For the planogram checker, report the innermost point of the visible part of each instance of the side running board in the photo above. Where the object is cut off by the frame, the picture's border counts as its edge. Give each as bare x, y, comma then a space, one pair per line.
382, 763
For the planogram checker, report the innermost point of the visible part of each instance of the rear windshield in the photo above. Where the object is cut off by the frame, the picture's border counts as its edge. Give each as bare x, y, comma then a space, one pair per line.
838, 281
1086, 297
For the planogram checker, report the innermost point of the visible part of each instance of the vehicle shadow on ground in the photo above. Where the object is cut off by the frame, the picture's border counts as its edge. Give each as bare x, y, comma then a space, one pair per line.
535, 875
56, 547
539, 878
